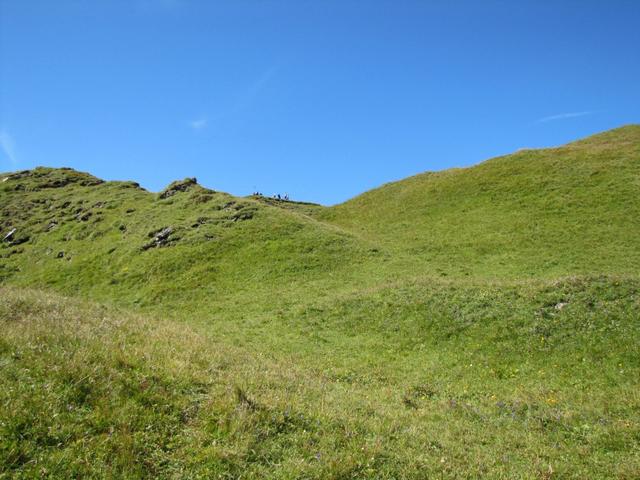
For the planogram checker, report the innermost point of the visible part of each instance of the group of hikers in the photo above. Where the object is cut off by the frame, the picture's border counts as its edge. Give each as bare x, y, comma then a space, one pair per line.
275, 196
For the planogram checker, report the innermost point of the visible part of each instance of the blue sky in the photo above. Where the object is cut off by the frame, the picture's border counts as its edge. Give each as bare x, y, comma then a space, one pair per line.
319, 99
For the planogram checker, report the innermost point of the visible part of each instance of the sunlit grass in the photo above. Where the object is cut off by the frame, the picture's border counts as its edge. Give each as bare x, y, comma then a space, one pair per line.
478, 323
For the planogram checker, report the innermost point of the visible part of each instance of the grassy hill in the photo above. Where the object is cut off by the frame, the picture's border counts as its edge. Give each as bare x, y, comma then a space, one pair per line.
536, 213
187, 244
471, 323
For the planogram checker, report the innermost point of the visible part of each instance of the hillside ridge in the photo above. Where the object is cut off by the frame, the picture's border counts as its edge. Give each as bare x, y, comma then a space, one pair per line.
61, 176
539, 213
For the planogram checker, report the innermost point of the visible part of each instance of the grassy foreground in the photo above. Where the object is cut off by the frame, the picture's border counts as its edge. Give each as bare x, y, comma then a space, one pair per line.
517, 387
473, 323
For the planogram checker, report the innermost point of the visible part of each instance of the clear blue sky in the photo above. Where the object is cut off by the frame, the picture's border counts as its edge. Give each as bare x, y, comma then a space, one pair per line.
320, 99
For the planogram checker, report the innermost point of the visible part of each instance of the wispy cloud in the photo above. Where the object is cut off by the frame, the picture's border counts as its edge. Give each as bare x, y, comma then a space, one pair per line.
7, 147
562, 116
251, 93
198, 124
243, 101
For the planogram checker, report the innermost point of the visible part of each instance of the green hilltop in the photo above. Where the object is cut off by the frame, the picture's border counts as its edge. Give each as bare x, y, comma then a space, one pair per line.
479, 322
536, 213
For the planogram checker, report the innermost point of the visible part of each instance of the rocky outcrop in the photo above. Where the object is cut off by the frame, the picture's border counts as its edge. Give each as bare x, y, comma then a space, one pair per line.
159, 238
178, 186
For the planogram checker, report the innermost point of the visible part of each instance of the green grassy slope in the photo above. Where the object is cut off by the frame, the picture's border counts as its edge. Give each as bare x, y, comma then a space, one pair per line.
83, 236
504, 385
472, 323
548, 212
537, 213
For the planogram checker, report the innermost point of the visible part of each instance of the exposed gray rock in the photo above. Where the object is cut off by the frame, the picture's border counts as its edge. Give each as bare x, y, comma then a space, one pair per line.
17, 175
178, 186
14, 239
560, 305
160, 238
84, 216
200, 221
9, 236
